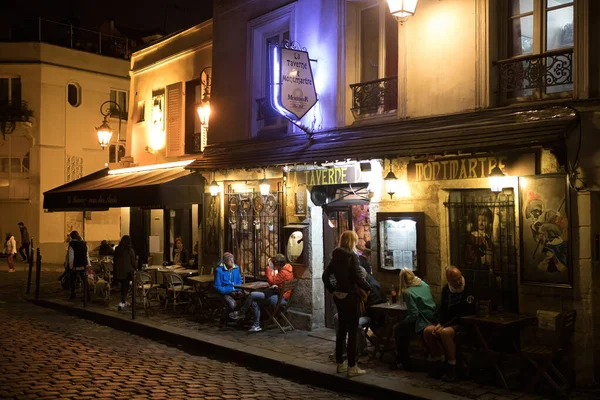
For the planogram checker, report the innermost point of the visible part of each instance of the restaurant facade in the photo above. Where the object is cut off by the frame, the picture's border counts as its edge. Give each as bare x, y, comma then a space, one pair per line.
432, 138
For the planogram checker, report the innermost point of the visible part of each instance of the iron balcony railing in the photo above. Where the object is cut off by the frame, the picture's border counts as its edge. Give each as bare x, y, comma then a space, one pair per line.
374, 97
536, 75
67, 35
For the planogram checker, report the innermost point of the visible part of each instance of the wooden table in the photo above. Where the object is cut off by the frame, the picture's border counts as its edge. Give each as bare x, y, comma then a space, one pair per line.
384, 337
502, 325
201, 279
253, 286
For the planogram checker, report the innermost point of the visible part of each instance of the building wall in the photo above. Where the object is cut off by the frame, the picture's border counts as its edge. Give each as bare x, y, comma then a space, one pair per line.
60, 130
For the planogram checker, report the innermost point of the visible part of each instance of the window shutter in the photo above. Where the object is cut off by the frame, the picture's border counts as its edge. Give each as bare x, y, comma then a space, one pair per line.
174, 120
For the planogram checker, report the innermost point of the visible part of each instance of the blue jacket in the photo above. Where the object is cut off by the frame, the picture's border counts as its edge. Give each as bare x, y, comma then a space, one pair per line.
226, 278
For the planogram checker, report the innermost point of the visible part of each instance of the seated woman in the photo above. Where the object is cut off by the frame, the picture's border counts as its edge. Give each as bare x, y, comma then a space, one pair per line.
421, 312
180, 256
278, 272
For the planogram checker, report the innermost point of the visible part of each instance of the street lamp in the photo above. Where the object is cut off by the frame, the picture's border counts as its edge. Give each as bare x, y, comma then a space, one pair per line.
402, 8
203, 107
391, 182
265, 186
104, 131
214, 187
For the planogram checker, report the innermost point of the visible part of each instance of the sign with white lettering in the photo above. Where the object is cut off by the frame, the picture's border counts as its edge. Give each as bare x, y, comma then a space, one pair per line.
292, 91
470, 167
331, 176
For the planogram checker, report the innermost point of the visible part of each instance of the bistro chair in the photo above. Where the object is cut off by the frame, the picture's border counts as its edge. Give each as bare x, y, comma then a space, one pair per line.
177, 290
277, 312
147, 290
553, 335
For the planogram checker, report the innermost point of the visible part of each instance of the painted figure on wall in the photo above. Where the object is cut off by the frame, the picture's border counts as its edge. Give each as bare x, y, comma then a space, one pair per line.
479, 247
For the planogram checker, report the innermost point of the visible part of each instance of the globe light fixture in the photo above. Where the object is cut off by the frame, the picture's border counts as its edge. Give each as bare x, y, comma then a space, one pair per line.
496, 180
105, 133
214, 188
402, 8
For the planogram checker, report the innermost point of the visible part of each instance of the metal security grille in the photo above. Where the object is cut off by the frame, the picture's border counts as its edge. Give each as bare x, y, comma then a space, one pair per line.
252, 229
482, 244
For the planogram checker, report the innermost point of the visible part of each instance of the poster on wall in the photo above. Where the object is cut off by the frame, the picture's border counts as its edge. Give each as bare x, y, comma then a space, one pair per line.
545, 239
210, 245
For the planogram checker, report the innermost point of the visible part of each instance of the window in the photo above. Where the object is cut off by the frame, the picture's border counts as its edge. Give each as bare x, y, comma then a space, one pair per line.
274, 27
141, 111
74, 94
119, 97
193, 127
112, 156
539, 48
10, 90
378, 60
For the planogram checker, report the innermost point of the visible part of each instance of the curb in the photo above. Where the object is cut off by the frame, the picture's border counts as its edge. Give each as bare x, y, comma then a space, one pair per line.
289, 367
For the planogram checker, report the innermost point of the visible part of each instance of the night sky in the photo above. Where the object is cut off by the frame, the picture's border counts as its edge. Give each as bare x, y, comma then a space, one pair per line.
142, 15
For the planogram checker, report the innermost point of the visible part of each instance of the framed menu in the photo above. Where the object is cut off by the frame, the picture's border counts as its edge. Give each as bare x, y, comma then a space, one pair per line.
401, 238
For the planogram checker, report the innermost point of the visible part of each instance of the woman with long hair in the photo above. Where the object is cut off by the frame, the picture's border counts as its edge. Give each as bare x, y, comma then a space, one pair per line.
421, 312
124, 265
345, 268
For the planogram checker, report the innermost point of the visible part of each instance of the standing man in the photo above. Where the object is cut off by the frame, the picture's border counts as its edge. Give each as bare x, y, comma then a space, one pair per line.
25, 242
78, 259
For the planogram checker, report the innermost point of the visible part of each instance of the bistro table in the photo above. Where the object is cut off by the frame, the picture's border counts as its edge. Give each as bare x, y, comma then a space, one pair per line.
499, 325
384, 337
253, 286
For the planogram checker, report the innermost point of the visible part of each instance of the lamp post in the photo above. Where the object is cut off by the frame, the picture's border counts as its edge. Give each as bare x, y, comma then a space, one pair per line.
104, 131
203, 107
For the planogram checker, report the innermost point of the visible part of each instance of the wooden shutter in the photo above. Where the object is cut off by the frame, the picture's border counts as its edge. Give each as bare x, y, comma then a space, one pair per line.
174, 120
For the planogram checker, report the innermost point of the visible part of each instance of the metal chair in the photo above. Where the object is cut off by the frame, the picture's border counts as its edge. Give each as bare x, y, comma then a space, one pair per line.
176, 289
277, 311
147, 290
553, 334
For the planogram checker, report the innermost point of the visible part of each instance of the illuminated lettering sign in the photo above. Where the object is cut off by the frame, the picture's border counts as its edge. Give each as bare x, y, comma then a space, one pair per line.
470, 167
331, 176
292, 88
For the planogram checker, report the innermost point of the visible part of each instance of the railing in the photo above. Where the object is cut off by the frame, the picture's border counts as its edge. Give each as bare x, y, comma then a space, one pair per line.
11, 113
375, 97
550, 72
66, 35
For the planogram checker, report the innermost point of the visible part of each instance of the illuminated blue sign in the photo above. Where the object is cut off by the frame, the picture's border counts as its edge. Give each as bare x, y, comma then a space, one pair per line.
292, 87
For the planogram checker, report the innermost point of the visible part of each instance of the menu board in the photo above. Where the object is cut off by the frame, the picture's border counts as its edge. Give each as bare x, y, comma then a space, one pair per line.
398, 242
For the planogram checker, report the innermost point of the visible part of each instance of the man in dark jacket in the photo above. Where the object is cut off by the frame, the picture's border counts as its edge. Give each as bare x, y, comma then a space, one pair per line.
25, 242
78, 259
457, 302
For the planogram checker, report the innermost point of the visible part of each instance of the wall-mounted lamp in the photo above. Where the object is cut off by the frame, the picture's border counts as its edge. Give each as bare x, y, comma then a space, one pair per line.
214, 187
496, 180
203, 107
402, 8
391, 182
265, 186
104, 131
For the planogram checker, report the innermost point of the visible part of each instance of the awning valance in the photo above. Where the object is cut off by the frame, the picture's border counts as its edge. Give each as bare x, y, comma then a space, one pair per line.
157, 188
474, 132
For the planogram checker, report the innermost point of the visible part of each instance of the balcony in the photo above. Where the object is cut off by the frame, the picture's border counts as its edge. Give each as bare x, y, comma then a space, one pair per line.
536, 77
11, 113
376, 97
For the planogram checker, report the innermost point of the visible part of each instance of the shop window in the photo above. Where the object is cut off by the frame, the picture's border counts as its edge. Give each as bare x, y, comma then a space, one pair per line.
271, 28
74, 94
10, 90
539, 38
482, 244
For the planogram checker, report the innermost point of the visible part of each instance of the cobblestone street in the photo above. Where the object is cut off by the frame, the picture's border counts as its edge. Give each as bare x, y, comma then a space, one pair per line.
46, 354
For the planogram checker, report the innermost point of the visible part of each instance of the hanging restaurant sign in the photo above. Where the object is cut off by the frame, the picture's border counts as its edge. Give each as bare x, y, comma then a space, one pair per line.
470, 167
292, 87
330, 176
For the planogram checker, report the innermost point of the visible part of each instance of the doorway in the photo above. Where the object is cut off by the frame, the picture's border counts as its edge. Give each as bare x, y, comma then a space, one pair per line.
337, 218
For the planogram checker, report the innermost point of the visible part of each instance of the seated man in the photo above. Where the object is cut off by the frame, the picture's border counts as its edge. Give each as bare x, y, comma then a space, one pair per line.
227, 276
457, 302
277, 273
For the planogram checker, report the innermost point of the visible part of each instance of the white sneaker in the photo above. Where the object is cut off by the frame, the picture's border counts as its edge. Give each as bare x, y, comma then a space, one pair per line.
355, 371
255, 328
234, 315
343, 367
121, 306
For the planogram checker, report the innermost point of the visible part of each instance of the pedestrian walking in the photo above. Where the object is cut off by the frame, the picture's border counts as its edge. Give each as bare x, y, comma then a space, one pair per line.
25, 242
78, 259
10, 248
344, 267
124, 266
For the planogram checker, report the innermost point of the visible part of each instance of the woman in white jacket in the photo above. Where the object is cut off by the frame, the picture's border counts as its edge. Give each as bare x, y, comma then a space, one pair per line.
10, 248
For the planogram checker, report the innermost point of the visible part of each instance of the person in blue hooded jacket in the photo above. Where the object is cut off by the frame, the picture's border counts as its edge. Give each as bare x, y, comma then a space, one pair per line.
227, 276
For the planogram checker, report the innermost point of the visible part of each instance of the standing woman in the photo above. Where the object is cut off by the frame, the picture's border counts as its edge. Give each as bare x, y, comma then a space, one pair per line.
345, 268
10, 248
124, 265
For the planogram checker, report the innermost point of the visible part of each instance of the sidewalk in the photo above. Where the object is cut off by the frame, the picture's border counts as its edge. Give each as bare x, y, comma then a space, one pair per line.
299, 355
24, 267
